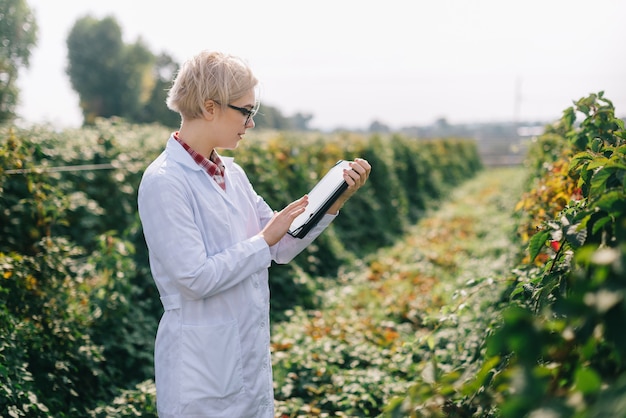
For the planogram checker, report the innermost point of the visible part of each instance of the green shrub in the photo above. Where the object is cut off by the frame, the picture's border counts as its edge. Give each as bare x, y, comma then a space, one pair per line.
562, 340
79, 306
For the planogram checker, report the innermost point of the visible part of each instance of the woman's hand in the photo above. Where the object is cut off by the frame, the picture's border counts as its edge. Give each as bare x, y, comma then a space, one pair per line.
355, 178
278, 226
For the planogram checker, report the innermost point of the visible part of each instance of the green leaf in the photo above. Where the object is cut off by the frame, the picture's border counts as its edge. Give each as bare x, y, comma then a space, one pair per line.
598, 181
569, 117
587, 380
580, 158
596, 144
518, 289
598, 162
431, 342
609, 200
481, 379
599, 224
537, 242
584, 108
616, 164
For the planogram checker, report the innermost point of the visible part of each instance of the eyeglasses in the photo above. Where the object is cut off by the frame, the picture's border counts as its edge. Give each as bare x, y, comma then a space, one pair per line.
248, 113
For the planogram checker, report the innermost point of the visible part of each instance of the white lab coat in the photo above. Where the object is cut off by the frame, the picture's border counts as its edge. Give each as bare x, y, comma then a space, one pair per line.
212, 350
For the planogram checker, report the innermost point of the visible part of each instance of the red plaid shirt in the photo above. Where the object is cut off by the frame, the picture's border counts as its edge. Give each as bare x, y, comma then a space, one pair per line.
212, 165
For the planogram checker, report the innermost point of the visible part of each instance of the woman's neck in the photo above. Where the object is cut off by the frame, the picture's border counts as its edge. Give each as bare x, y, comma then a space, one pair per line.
194, 134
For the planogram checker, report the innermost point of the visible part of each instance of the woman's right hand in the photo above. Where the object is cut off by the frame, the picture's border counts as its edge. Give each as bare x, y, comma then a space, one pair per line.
278, 226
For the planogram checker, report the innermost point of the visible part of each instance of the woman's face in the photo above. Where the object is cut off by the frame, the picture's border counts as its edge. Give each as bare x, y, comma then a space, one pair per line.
236, 119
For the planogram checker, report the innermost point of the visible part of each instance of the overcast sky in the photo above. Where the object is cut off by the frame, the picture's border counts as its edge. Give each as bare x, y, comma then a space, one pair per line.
350, 62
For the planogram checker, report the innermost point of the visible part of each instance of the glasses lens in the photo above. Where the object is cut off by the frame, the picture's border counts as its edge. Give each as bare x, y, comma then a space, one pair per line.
253, 112
255, 109
248, 113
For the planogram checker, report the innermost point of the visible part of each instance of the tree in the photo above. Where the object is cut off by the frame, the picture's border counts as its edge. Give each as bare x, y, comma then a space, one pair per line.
137, 78
110, 77
301, 121
155, 109
271, 118
378, 127
18, 35
129, 81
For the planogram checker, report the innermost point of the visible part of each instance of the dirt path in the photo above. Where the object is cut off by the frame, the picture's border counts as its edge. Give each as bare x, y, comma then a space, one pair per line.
414, 313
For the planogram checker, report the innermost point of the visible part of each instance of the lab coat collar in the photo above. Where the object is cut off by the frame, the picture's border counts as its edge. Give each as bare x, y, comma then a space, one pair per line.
180, 155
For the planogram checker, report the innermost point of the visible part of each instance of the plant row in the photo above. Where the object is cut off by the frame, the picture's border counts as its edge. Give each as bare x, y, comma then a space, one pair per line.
78, 307
408, 318
558, 347
564, 336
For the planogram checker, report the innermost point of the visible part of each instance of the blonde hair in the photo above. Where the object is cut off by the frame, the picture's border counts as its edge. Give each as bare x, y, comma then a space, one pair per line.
209, 76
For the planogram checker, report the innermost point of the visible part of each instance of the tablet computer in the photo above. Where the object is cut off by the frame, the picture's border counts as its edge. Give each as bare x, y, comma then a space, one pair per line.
321, 198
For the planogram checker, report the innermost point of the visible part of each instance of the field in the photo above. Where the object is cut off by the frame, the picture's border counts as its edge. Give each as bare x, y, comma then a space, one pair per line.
417, 308
472, 292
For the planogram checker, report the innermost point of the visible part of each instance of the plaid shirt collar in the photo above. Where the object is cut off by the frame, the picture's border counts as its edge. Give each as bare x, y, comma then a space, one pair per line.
212, 165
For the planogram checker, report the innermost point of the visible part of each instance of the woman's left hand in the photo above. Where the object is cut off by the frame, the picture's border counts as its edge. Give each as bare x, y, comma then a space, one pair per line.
356, 178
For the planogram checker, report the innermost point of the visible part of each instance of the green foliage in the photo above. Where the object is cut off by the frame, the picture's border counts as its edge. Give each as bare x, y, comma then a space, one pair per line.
400, 332
555, 347
18, 394
563, 338
79, 308
131, 81
469, 245
46, 298
155, 110
284, 166
97, 44
18, 35
419, 332
83, 310
137, 402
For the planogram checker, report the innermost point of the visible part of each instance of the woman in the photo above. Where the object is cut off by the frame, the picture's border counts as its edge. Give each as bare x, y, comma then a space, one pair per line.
211, 239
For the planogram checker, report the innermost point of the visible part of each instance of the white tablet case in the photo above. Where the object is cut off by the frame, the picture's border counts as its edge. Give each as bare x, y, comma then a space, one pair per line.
321, 197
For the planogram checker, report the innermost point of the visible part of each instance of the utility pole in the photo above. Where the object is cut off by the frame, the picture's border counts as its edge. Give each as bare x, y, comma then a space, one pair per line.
517, 103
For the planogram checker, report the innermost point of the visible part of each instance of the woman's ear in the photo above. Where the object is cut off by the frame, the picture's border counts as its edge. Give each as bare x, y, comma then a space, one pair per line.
209, 109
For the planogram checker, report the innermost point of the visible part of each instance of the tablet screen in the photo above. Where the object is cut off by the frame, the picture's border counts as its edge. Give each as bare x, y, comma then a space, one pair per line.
321, 193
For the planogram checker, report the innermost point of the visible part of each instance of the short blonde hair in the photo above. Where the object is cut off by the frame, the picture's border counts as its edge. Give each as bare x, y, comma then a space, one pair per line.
206, 76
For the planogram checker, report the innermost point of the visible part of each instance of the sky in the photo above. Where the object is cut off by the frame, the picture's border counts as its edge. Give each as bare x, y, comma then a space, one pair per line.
352, 62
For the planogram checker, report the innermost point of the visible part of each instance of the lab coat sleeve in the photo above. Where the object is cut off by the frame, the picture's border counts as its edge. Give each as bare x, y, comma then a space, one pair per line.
173, 238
